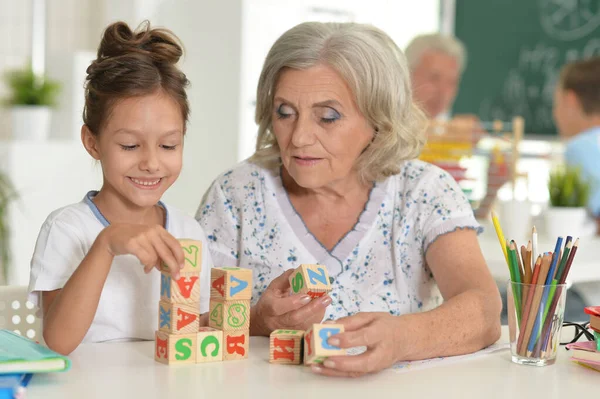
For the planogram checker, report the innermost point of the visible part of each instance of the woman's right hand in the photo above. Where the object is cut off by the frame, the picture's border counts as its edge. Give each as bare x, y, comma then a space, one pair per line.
152, 245
277, 309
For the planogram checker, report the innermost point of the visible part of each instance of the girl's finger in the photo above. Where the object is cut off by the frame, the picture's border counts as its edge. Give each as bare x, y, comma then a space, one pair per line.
166, 255
174, 247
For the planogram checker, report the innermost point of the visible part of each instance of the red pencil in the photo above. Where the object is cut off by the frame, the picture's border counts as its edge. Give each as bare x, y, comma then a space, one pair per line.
526, 311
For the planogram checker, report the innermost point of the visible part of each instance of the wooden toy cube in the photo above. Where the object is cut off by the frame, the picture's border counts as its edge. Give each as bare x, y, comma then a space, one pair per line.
175, 348
192, 250
312, 280
177, 318
237, 344
186, 290
316, 348
210, 345
229, 315
286, 346
230, 283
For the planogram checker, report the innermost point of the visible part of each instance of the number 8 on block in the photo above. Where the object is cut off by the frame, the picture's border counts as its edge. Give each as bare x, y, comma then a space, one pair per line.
312, 280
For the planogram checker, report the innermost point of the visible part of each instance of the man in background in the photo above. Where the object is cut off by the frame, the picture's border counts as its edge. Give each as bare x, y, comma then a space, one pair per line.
436, 62
577, 115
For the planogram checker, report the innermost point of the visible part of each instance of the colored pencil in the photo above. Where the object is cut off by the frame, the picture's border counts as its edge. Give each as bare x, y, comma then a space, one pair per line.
555, 256
565, 257
527, 272
534, 242
547, 329
520, 264
517, 278
537, 309
563, 277
562, 280
527, 308
528, 264
500, 235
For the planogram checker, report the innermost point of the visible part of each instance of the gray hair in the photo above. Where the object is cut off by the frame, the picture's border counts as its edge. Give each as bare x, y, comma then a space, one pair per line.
446, 44
377, 73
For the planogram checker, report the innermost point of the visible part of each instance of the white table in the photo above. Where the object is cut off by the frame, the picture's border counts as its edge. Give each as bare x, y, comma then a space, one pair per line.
586, 264
128, 370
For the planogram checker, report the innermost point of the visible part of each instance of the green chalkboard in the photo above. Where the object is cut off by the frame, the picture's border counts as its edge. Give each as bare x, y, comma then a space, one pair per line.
515, 51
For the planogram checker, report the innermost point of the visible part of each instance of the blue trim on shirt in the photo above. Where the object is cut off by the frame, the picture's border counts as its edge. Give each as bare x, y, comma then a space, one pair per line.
89, 201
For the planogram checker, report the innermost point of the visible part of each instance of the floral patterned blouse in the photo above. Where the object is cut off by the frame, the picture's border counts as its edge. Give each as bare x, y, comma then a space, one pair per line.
377, 266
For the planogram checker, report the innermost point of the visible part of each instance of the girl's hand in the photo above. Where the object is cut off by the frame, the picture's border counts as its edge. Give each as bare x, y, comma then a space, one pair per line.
376, 331
152, 245
277, 309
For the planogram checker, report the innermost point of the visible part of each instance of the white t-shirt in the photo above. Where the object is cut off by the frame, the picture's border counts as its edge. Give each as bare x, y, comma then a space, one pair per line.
379, 266
128, 307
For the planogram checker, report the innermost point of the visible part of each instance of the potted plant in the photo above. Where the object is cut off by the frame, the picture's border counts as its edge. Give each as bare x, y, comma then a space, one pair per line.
31, 98
7, 194
567, 213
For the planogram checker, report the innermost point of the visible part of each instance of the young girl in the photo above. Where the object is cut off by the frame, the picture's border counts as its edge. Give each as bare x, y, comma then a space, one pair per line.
90, 258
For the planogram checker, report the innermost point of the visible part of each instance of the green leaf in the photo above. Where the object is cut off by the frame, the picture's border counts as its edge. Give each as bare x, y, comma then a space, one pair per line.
568, 188
26, 88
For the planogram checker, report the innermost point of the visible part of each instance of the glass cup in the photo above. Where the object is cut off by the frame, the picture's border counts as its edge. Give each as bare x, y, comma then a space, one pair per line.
535, 318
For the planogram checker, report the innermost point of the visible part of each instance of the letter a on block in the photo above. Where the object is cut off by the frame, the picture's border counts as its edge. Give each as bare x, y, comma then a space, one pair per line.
239, 286
185, 285
218, 285
184, 318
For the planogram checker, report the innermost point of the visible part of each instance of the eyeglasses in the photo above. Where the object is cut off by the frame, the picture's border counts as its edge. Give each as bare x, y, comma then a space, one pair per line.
578, 330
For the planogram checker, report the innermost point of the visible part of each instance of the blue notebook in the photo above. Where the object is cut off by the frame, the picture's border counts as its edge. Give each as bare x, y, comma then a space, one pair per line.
21, 355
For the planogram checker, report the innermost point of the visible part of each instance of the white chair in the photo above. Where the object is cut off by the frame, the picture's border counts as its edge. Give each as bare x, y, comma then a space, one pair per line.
18, 314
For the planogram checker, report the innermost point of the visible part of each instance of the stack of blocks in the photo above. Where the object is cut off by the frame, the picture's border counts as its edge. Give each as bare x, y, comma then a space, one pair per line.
178, 310
179, 338
292, 346
230, 294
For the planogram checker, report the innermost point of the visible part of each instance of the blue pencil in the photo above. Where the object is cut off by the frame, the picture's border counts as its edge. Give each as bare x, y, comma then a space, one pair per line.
540, 314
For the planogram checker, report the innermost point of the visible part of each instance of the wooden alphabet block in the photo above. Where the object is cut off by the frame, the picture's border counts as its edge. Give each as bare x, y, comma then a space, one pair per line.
177, 318
175, 348
229, 283
186, 290
237, 344
229, 315
316, 348
192, 250
312, 280
210, 345
286, 346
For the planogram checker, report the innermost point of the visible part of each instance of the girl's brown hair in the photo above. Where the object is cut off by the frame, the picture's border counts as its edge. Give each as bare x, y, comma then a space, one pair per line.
131, 64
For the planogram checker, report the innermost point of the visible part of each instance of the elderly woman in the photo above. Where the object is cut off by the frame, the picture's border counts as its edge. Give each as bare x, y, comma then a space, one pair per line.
333, 182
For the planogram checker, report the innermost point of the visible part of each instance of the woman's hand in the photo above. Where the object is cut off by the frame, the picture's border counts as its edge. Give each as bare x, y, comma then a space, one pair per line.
377, 331
277, 309
152, 245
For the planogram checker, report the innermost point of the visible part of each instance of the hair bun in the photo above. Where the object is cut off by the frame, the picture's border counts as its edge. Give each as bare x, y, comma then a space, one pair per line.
161, 45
